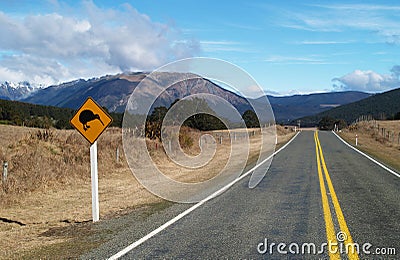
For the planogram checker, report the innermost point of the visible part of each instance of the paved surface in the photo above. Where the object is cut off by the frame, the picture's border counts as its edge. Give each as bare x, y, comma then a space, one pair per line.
286, 207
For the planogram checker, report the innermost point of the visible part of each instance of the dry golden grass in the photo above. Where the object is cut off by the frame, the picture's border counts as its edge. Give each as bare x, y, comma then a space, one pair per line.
49, 182
217, 163
285, 133
372, 142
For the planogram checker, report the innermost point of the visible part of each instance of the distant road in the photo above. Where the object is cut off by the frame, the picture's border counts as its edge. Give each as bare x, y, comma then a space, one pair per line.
299, 203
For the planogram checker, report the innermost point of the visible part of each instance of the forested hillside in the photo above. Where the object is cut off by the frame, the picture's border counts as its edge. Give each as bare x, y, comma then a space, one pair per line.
380, 106
25, 114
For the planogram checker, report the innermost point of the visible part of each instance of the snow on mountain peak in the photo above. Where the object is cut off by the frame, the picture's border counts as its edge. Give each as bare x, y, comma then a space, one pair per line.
17, 91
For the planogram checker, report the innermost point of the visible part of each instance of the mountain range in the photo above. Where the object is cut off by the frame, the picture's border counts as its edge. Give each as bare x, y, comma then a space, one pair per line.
17, 91
113, 92
290, 108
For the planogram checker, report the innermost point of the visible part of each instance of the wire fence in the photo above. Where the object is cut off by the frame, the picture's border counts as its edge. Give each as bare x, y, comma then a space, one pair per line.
389, 132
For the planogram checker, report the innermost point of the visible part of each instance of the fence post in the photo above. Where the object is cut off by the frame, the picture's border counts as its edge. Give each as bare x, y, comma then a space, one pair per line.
5, 171
117, 154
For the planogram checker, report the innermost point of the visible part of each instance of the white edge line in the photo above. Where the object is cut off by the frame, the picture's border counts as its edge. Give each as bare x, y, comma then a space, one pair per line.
369, 157
189, 210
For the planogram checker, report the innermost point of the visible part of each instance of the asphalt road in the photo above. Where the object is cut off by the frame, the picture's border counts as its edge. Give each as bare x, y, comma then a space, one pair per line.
286, 207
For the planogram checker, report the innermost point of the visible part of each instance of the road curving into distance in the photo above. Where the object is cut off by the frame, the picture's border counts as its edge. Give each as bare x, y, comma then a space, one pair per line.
319, 199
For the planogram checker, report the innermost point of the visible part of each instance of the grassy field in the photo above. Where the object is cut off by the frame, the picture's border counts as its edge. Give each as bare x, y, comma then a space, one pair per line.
49, 189
371, 141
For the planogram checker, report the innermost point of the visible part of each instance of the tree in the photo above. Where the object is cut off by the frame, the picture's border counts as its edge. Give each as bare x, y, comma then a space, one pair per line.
397, 116
158, 114
326, 123
196, 114
340, 124
63, 124
154, 122
251, 120
204, 122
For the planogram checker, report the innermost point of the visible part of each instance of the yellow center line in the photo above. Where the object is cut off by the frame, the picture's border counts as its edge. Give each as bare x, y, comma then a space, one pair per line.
330, 229
349, 245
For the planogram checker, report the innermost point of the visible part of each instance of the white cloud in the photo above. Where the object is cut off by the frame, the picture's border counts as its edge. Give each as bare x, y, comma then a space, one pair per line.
89, 42
292, 60
13, 76
277, 58
363, 7
383, 20
244, 27
368, 81
323, 42
225, 46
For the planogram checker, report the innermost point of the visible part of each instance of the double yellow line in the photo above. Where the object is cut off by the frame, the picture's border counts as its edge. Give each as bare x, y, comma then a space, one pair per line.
330, 228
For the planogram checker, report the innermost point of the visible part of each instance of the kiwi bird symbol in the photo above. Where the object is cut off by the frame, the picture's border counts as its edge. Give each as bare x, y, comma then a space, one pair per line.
86, 116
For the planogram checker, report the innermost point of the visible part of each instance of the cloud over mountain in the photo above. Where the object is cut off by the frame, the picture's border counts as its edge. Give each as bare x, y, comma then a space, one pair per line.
53, 47
368, 80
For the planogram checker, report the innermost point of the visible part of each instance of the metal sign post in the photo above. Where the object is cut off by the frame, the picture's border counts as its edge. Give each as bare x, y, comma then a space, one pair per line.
91, 120
95, 182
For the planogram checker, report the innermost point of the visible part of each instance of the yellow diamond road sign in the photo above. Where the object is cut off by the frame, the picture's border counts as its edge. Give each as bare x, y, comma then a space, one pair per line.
91, 120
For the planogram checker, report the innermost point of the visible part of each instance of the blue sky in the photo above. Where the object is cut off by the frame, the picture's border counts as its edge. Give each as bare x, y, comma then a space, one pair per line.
287, 46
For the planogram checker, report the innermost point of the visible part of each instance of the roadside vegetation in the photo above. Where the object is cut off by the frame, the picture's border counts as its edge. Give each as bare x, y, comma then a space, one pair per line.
46, 199
205, 121
380, 139
329, 123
